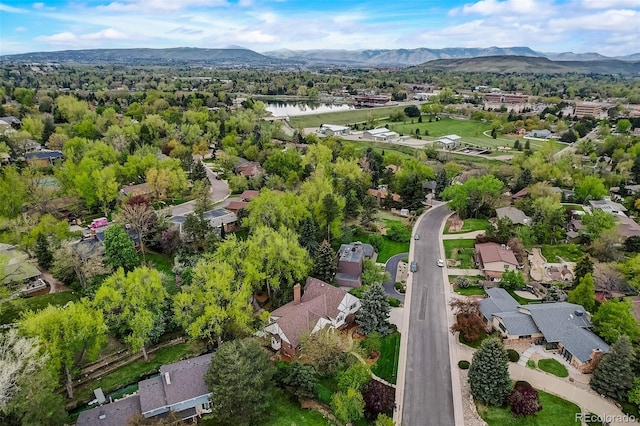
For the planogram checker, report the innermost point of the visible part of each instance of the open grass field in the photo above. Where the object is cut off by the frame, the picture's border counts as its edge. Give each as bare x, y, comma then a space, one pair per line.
553, 367
555, 411
10, 310
461, 250
342, 117
470, 225
387, 365
470, 291
568, 252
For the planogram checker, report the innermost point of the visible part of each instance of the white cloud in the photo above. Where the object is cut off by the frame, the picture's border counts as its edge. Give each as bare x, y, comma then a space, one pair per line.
108, 34
11, 9
610, 20
60, 38
155, 6
20, 29
608, 4
497, 7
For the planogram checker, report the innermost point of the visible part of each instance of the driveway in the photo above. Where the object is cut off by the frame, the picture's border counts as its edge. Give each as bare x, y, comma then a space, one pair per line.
425, 375
392, 267
219, 191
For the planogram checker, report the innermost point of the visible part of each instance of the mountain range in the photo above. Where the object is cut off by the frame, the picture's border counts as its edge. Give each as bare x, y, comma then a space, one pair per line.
512, 59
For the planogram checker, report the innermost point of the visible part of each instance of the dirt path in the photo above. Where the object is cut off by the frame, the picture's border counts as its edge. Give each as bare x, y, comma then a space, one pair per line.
55, 286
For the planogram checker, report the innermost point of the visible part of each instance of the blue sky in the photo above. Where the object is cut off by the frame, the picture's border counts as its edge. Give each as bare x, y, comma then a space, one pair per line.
610, 27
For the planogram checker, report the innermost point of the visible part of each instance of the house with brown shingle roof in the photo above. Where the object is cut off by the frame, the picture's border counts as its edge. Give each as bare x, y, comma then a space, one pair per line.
494, 259
250, 169
322, 305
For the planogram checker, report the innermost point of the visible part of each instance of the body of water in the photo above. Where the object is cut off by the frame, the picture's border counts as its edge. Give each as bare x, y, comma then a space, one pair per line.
291, 109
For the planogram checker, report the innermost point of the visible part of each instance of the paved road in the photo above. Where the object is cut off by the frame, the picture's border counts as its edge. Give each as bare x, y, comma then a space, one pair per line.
428, 393
219, 192
392, 267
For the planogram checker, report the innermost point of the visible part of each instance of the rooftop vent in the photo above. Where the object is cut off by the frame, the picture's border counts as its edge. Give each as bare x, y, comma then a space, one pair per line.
102, 416
167, 378
579, 313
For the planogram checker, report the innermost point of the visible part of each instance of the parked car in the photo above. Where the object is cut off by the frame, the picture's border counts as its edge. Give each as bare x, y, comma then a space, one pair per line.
413, 267
416, 237
440, 262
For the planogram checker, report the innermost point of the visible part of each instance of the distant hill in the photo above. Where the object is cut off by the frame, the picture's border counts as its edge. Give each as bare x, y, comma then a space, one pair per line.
522, 64
395, 57
172, 56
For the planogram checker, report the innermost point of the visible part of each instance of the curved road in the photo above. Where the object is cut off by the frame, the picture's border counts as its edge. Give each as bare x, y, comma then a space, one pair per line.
427, 398
392, 267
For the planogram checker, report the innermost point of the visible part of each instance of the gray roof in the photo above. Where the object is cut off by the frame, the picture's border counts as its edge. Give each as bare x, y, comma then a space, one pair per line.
353, 252
552, 318
115, 413
517, 323
516, 216
580, 342
186, 382
499, 300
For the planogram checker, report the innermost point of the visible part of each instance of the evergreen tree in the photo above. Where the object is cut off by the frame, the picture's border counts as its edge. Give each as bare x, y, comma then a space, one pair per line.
583, 267
309, 235
374, 312
489, 373
369, 211
527, 145
613, 377
119, 250
635, 169
441, 182
584, 294
198, 172
42, 251
240, 376
324, 262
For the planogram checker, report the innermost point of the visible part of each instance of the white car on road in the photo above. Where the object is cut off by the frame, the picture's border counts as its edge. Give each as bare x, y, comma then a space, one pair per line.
440, 262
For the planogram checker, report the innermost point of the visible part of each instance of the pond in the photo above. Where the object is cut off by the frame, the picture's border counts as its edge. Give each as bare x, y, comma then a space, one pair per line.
290, 109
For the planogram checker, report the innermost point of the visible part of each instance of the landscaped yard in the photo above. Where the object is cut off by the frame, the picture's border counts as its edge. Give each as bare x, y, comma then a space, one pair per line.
555, 411
388, 248
470, 291
285, 411
554, 367
460, 250
520, 300
470, 225
474, 343
387, 365
163, 263
131, 373
568, 252
10, 311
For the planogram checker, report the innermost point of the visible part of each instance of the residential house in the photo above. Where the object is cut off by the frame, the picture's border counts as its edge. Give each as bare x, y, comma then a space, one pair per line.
249, 169
217, 218
322, 305
351, 262
19, 272
627, 227
494, 259
608, 206
381, 193
520, 194
381, 134
561, 326
5, 158
43, 158
516, 216
235, 206
179, 388
448, 142
10, 122
133, 190
334, 130
249, 195
565, 194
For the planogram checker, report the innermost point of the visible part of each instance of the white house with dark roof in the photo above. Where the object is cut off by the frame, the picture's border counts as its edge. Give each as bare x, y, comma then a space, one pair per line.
180, 388
565, 327
322, 305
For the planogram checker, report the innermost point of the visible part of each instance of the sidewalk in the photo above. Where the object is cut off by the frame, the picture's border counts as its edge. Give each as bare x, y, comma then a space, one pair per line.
465, 236
466, 272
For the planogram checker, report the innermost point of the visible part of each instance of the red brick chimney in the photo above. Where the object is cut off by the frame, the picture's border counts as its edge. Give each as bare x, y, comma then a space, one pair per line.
296, 294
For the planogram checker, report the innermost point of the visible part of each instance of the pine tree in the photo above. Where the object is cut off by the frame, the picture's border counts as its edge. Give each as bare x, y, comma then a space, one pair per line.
42, 251
583, 267
489, 373
324, 262
308, 235
613, 377
374, 312
119, 250
198, 172
441, 182
527, 145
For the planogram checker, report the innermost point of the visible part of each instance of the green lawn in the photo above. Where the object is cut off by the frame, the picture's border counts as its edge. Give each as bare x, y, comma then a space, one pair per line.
470, 225
467, 129
520, 300
474, 343
470, 291
163, 263
554, 367
326, 387
555, 411
286, 411
10, 311
387, 365
461, 250
388, 248
131, 373
342, 117
568, 252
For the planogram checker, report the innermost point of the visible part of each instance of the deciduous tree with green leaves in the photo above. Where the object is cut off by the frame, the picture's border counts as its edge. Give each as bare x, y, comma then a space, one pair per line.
512, 280
68, 334
354, 377
240, 376
475, 197
584, 294
591, 187
134, 306
489, 373
613, 377
615, 318
348, 406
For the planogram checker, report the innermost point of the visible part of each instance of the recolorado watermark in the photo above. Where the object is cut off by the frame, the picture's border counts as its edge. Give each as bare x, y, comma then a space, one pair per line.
606, 419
